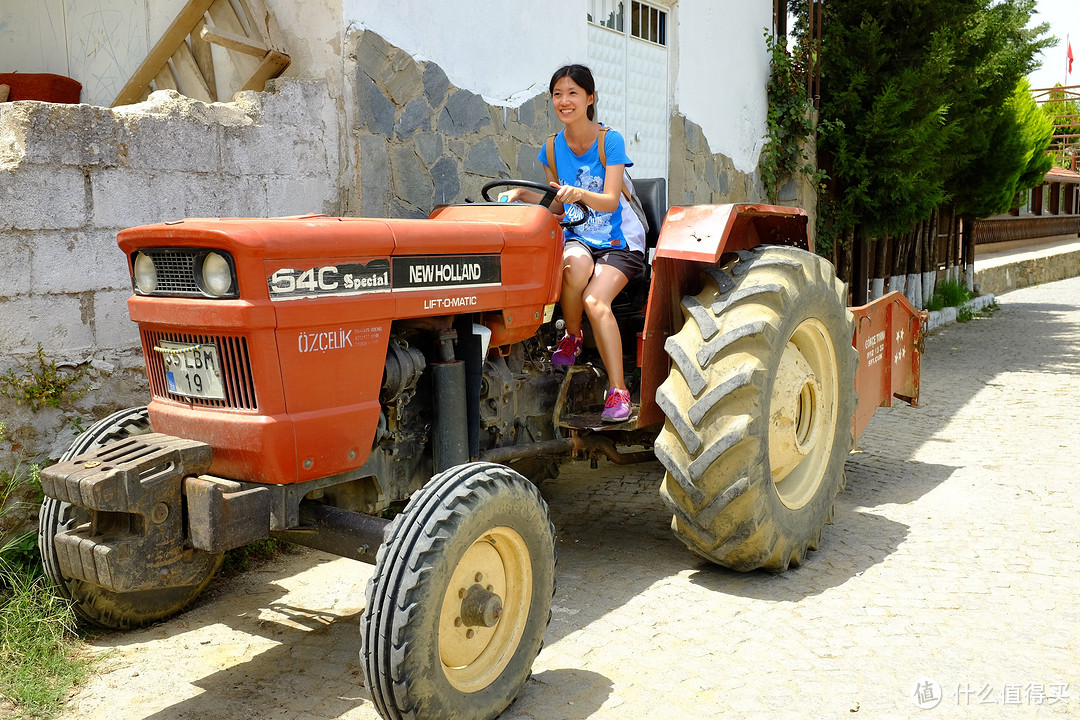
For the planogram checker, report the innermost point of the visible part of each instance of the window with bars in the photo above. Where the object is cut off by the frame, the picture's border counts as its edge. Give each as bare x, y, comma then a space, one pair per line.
646, 22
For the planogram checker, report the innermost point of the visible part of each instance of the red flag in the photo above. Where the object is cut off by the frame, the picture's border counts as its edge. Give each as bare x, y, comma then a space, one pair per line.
1069, 57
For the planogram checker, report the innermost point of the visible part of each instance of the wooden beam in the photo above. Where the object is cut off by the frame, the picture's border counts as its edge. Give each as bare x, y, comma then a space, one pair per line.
232, 41
192, 82
271, 66
224, 18
150, 68
164, 80
204, 58
264, 23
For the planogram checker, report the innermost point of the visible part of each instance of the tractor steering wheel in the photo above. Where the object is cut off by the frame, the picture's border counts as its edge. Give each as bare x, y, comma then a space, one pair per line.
575, 213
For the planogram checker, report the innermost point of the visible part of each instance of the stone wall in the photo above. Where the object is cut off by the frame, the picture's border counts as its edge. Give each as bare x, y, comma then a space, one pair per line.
422, 142
72, 176
698, 176
1026, 270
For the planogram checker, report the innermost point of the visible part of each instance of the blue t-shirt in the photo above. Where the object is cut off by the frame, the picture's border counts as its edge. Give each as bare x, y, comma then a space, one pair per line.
604, 230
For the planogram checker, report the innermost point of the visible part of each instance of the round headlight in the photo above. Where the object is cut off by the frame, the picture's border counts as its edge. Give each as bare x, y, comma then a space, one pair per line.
216, 275
145, 274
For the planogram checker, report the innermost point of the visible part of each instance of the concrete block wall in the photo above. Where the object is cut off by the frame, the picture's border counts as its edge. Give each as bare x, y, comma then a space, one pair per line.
72, 176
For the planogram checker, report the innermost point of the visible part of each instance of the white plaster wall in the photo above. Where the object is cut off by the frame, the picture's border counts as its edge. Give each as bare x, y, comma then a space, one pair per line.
30, 34
504, 51
101, 43
722, 70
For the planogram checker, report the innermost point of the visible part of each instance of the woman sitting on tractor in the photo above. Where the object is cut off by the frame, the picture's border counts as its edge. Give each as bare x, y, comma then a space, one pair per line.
602, 254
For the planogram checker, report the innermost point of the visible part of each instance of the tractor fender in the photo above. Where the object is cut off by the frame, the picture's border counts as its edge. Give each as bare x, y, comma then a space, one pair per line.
691, 239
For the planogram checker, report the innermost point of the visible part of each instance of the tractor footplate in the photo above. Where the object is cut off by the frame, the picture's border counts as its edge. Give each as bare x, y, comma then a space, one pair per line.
581, 402
133, 536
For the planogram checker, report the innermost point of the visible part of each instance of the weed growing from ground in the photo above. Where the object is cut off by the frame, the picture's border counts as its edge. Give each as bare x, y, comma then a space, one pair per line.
38, 646
948, 293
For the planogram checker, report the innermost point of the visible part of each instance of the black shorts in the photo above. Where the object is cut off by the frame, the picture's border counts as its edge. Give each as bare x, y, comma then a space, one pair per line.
628, 262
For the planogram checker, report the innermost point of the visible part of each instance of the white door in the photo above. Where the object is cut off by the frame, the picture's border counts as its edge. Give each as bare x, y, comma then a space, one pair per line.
628, 55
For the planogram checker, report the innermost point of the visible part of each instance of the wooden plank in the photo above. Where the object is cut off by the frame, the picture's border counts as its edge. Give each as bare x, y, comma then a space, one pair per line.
272, 65
243, 16
204, 58
263, 21
231, 41
163, 50
224, 18
164, 80
192, 82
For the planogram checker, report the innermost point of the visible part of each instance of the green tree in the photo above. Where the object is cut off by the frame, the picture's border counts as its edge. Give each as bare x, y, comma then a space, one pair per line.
993, 49
918, 112
1018, 134
883, 110
1037, 130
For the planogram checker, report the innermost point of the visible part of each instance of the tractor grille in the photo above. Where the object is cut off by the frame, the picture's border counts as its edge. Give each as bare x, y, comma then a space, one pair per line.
175, 270
235, 368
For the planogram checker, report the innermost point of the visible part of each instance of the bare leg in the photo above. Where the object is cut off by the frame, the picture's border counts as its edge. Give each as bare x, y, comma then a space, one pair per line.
577, 272
602, 289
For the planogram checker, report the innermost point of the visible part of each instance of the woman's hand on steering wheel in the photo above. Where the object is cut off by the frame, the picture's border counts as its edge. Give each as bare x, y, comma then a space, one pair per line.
568, 193
575, 212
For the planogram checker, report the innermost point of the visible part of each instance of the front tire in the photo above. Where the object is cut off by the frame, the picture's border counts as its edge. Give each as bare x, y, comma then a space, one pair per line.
92, 603
461, 596
759, 409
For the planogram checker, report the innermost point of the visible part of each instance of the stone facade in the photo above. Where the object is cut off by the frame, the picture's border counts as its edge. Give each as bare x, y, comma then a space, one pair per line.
423, 142
698, 176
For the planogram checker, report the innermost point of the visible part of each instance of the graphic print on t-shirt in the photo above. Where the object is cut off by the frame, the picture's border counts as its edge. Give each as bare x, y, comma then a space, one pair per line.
597, 228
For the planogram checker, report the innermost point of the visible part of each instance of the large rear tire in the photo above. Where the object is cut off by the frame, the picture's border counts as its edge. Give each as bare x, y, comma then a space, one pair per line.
92, 603
759, 407
461, 596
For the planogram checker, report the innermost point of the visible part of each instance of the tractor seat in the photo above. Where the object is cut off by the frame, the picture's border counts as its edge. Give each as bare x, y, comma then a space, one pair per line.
653, 195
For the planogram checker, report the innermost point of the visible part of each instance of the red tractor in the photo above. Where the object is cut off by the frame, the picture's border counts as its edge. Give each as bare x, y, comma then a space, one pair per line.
310, 374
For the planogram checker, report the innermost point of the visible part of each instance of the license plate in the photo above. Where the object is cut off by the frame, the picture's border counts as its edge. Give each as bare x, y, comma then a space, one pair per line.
193, 370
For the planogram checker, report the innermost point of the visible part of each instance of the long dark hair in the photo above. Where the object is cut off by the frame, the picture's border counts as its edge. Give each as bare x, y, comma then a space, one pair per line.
584, 79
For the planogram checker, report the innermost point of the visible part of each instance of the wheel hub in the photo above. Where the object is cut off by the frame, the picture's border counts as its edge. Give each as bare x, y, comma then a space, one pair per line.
792, 421
485, 609
481, 607
803, 402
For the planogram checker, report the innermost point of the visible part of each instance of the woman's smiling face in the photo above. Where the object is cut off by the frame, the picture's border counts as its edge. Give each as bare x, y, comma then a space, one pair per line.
570, 100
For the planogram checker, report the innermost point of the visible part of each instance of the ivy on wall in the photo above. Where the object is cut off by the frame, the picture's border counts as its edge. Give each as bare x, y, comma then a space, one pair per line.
789, 123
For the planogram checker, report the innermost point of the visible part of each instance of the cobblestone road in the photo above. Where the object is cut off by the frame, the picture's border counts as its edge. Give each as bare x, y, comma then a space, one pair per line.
952, 563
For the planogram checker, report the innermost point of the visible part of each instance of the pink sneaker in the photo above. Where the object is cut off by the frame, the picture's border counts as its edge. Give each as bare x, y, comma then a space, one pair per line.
617, 406
567, 351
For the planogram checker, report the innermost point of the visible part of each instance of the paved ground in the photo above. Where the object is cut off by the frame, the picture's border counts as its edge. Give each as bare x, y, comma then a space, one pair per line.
952, 564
